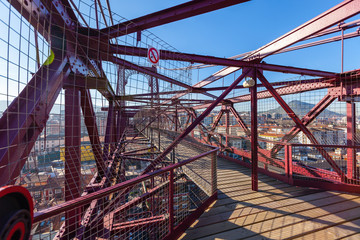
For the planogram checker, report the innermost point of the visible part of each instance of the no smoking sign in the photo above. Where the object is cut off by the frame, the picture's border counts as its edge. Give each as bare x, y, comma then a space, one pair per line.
153, 55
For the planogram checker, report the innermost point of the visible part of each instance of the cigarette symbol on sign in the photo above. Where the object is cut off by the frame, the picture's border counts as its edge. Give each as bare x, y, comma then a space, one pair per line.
153, 55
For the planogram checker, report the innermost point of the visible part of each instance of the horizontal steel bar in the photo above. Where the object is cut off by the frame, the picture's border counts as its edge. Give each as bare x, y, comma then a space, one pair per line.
169, 55
340, 12
182, 11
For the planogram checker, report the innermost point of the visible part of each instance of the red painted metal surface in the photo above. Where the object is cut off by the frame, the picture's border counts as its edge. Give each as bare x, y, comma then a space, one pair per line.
351, 138
176, 13
298, 122
29, 111
73, 158
123, 158
167, 55
90, 122
337, 14
254, 133
306, 120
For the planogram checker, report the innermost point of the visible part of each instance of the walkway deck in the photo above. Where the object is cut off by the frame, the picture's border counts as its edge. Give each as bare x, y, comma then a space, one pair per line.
276, 211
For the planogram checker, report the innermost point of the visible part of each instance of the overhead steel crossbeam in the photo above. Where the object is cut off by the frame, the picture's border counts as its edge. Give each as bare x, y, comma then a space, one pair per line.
176, 13
282, 83
338, 28
169, 55
323, 41
335, 15
325, 32
292, 89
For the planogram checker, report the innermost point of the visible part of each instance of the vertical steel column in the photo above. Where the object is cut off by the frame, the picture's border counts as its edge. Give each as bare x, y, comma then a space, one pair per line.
109, 130
158, 127
114, 132
213, 172
171, 201
192, 120
122, 123
90, 122
227, 125
351, 131
288, 163
72, 157
254, 135
176, 129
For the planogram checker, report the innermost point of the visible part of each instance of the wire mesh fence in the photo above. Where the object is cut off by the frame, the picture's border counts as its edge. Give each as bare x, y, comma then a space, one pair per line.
145, 207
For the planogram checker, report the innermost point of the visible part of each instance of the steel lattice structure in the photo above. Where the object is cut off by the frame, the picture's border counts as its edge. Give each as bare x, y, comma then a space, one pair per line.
111, 146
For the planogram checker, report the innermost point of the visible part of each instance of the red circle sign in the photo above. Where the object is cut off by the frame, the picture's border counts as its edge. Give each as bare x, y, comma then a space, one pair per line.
153, 55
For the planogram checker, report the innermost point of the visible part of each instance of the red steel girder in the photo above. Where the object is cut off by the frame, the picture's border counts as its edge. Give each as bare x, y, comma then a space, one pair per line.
286, 90
341, 26
298, 122
109, 131
337, 14
72, 158
283, 83
169, 55
192, 113
217, 120
240, 120
297, 88
160, 93
352, 172
139, 223
322, 41
254, 133
335, 29
195, 123
311, 44
26, 116
138, 159
176, 13
306, 120
90, 122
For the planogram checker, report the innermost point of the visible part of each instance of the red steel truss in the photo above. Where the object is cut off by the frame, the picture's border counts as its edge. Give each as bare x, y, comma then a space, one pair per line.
153, 143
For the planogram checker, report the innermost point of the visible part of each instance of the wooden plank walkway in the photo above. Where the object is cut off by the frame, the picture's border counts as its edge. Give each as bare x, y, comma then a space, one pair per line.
276, 211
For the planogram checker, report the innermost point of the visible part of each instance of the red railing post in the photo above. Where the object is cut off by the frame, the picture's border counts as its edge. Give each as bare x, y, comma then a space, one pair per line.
213, 173
351, 136
227, 126
288, 163
171, 201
